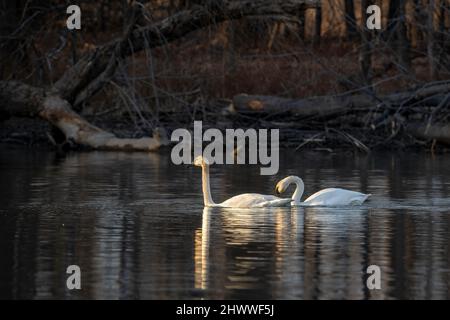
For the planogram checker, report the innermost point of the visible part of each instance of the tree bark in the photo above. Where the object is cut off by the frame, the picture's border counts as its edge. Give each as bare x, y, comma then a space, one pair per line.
301, 25
350, 20
402, 37
397, 32
365, 54
418, 24
444, 35
318, 25
431, 40
393, 13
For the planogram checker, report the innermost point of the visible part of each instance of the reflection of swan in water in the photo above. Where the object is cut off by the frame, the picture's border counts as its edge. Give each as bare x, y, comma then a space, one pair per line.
325, 197
335, 243
246, 200
257, 241
242, 226
202, 251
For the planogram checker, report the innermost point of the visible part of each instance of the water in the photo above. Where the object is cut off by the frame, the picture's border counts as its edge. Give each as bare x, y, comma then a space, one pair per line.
136, 226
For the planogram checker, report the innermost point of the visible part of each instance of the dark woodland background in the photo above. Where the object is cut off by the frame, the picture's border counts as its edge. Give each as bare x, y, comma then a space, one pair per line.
310, 68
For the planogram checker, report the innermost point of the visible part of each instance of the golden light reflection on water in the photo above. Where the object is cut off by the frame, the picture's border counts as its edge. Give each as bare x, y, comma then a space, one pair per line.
201, 251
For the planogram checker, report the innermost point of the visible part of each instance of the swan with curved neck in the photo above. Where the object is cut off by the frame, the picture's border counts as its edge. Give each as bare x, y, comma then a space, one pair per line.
245, 200
326, 197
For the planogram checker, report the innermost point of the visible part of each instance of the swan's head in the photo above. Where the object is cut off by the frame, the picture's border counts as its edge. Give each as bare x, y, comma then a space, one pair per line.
282, 185
200, 161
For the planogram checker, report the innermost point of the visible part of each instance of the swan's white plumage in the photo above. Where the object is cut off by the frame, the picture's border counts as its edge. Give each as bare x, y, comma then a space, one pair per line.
254, 200
329, 197
246, 200
335, 197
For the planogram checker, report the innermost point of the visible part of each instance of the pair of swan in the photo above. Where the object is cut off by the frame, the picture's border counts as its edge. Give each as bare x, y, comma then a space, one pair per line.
325, 197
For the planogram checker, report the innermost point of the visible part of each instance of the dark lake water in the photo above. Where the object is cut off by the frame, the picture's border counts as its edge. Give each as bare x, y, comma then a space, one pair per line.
135, 225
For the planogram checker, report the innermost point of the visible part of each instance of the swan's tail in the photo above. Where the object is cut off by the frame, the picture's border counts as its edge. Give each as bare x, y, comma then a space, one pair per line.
360, 199
366, 197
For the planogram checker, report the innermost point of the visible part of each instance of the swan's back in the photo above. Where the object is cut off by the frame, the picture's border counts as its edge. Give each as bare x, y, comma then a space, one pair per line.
254, 200
336, 197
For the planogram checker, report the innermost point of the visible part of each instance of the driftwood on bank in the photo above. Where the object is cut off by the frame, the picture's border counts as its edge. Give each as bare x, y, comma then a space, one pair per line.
31, 102
438, 132
391, 107
326, 106
97, 67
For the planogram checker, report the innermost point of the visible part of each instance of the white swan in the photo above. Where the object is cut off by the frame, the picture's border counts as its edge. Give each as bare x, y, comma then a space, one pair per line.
246, 200
326, 197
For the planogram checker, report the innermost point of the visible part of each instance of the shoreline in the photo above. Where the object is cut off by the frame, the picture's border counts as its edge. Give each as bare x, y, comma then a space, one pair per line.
38, 134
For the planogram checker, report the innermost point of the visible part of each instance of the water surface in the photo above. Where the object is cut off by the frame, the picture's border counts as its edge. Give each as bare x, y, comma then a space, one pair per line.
136, 226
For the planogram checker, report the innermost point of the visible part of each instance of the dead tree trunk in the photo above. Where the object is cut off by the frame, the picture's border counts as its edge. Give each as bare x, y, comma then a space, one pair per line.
318, 25
95, 69
402, 37
365, 54
431, 40
350, 20
301, 24
392, 17
418, 24
444, 36
397, 32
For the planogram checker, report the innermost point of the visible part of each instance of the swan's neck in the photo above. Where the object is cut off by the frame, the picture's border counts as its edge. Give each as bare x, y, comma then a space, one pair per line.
207, 200
299, 189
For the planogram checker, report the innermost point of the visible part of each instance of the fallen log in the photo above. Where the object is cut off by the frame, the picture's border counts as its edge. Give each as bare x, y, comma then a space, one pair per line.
323, 106
438, 132
25, 100
327, 106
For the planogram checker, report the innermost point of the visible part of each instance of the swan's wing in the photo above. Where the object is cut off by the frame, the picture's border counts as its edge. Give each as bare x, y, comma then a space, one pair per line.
336, 197
278, 203
254, 200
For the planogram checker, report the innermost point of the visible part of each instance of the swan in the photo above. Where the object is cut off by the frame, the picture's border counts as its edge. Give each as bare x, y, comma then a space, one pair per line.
325, 197
245, 200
